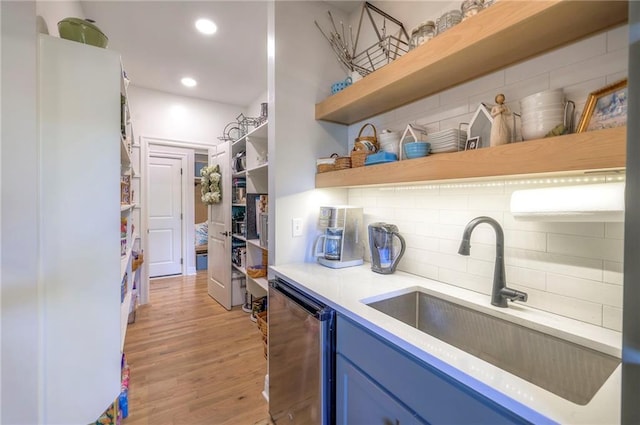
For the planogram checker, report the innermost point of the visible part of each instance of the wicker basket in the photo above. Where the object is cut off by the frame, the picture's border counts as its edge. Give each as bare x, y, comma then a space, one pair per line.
367, 143
337, 163
264, 328
257, 271
358, 158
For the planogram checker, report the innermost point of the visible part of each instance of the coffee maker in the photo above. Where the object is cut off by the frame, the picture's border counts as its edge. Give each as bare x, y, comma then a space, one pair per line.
340, 244
387, 247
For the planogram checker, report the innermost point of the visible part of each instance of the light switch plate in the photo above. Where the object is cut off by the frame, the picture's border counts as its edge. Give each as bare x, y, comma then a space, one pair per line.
296, 227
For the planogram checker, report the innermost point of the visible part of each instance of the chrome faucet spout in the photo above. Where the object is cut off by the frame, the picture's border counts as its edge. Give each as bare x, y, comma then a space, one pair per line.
499, 292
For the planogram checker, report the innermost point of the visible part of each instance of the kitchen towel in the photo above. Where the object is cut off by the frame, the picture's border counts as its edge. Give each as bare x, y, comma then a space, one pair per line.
592, 202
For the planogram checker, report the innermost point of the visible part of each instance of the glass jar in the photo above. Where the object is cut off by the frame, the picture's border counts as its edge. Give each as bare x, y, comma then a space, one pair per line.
422, 33
448, 20
470, 8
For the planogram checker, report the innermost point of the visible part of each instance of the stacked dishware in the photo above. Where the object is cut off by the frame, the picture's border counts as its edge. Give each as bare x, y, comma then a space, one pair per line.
541, 113
449, 140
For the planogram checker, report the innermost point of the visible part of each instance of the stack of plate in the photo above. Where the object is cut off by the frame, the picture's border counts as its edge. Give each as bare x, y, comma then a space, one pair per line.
450, 140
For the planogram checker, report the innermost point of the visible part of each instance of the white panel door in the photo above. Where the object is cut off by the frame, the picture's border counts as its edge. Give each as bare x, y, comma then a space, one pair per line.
165, 216
219, 285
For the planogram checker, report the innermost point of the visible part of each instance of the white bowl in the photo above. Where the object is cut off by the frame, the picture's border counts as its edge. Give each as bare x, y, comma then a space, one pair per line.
543, 98
547, 115
537, 130
550, 107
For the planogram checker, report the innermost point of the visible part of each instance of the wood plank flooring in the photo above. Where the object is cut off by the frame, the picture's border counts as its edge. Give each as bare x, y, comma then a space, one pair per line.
193, 362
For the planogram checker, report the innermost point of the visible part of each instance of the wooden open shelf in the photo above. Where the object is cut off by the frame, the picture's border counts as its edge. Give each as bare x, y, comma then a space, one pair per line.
594, 150
504, 34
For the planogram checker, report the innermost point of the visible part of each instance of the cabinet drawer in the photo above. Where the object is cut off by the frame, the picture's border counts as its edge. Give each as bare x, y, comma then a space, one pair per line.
360, 401
434, 396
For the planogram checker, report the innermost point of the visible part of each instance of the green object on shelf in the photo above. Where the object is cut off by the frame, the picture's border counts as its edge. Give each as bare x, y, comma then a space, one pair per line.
82, 31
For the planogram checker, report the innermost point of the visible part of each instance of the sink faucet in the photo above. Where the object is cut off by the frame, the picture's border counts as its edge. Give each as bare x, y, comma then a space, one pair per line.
499, 293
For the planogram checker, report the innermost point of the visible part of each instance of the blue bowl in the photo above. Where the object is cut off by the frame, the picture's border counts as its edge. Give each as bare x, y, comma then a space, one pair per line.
417, 149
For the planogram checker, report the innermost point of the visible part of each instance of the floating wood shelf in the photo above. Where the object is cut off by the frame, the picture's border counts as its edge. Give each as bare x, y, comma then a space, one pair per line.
504, 34
594, 150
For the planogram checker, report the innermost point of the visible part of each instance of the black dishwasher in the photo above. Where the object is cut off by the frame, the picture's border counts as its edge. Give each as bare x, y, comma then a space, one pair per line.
301, 357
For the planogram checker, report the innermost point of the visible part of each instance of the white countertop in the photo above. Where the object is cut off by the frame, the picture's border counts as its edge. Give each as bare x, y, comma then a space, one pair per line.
345, 289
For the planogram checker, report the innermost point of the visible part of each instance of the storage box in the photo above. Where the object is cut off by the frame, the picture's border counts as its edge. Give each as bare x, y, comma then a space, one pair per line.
238, 288
201, 261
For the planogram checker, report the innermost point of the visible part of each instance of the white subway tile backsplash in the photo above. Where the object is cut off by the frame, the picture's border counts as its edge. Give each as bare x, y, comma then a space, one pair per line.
614, 230
574, 308
465, 280
421, 242
595, 67
588, 290
489, 202
618, 38
481, 268
612, 318
585, 268
462, 93
564, 56
529, 278
444, 202
613, 272
596, 248
533, 241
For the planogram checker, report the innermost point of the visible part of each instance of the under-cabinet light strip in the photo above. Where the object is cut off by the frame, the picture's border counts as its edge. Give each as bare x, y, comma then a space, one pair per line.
519, 182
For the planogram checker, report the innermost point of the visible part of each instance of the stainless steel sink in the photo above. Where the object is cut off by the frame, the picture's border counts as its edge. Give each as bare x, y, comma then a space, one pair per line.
566, 369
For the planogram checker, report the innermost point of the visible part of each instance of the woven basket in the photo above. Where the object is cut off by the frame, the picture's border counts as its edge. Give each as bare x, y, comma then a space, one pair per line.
358, 158
339, 163
367, 143
257, 271
264, 328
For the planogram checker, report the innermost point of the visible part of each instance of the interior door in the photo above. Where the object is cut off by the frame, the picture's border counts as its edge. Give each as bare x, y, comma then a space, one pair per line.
219, 268
165, 216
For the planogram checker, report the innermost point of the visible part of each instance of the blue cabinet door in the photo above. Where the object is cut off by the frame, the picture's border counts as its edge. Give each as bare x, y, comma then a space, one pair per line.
360, 401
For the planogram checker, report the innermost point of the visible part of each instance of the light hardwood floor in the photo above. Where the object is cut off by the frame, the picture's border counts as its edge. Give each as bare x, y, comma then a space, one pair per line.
193, 362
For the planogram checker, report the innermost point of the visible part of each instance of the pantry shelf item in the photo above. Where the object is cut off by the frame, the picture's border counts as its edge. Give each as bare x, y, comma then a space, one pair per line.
418, 147
448, 20
392, 41
594, 150
422, 33
380, 158
438, 64
364, 146
82, 31
449, 140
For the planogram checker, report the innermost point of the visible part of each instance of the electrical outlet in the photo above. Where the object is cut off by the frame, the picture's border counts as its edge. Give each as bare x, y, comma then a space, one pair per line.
296, 227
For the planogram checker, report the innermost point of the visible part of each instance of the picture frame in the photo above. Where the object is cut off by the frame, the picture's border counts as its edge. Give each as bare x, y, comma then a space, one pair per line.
605, 108
472, 143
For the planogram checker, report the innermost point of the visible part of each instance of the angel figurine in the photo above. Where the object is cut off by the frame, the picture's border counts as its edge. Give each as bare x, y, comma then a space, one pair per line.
500, 129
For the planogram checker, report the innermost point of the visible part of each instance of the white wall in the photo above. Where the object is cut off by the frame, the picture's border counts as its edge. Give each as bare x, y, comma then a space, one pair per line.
167, 116
20, 353
253, 110
299, 75
572, 269
49, 13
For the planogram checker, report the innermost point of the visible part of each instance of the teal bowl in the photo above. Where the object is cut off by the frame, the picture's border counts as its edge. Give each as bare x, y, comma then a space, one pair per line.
416, 149
82, 31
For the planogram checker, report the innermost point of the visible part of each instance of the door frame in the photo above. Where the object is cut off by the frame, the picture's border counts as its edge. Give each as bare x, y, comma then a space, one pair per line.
170, 148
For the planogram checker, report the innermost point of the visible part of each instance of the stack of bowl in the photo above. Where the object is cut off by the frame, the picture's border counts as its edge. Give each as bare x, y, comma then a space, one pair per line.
541, 112
389, 141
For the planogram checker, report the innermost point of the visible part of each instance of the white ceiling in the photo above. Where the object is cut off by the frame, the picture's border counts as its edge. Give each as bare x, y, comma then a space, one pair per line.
159, 45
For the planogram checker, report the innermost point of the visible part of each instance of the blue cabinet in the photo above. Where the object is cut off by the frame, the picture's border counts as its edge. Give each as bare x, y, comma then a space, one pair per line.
377, 383
360, 401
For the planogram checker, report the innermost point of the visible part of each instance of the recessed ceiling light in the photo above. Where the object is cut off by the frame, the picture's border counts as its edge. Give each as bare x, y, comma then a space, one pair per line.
188, 82
206, 26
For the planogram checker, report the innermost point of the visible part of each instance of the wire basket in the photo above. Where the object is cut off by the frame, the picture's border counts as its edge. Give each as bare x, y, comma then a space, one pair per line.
379, 54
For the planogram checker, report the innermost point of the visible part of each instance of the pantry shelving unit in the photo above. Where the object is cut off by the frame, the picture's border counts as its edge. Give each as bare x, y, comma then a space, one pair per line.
504, 34
80, 267
256, 175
